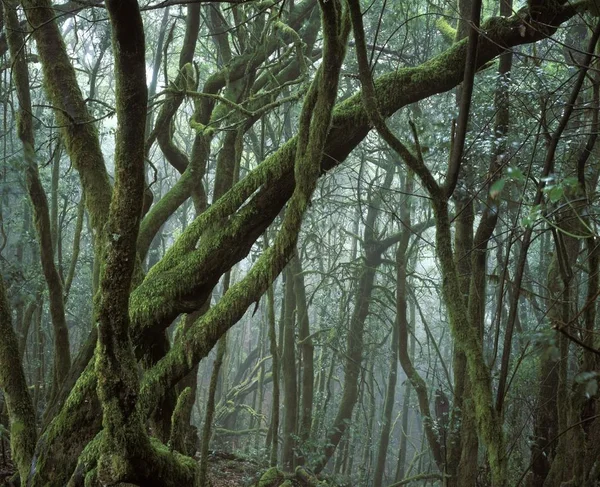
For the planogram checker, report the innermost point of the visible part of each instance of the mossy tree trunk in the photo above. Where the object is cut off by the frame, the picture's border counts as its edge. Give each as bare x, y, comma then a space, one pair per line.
476, 254
462, 443
16, 395
78, 132
39, 201
124, 438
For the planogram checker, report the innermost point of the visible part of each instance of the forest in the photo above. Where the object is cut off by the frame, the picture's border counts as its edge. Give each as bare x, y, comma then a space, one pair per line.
299, 243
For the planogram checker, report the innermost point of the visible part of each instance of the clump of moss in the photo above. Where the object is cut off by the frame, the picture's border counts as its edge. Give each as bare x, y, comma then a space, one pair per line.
271, 478
91, 478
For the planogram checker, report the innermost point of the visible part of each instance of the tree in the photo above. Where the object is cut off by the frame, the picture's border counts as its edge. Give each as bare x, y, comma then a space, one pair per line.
189, 165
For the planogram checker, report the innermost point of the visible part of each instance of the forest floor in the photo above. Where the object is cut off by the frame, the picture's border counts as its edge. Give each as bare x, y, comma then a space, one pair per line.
224, 470
6, 472
228, 470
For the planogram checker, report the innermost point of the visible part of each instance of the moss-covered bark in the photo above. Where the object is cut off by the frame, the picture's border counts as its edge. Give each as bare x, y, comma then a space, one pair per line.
81, 141
314, 126
180, 421
463, 448
272, 446
488, 423
125, 442
76, 424
18, 402
78, 132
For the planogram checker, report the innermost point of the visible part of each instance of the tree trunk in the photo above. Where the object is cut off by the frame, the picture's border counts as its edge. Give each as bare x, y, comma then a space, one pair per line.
307, 349
288, 369
12, 382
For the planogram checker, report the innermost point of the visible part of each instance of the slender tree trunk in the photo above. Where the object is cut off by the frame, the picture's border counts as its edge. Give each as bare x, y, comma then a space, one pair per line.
307, 349
288, 369
388, 408
404, 431
273, 446
210, 411
401, 259
355, 340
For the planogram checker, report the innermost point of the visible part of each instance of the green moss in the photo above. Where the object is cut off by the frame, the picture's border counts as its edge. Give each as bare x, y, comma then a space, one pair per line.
200, 128
91, 479
69, 433
14, 386
173, 465
179, 420
446, 29
177, 273
271, 478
